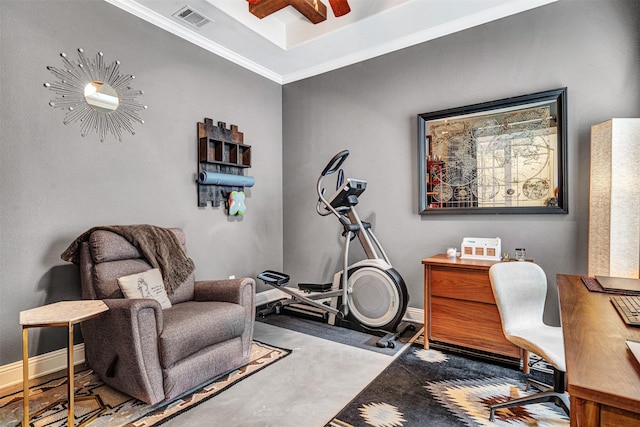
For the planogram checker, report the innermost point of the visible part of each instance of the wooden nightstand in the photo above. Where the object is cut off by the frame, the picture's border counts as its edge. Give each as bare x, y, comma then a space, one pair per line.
459, 307
64, 313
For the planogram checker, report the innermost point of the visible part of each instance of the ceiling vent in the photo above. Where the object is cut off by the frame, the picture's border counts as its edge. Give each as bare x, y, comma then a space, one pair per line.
190, 16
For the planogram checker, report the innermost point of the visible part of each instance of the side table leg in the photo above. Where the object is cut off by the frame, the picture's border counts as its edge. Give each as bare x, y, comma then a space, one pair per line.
70, 384
25, 376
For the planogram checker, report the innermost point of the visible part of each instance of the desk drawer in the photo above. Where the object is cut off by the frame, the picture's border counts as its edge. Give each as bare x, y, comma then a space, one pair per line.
469, 324
470, 285
615, 417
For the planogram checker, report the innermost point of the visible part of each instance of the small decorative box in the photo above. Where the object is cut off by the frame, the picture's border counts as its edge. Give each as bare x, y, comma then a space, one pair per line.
481, 248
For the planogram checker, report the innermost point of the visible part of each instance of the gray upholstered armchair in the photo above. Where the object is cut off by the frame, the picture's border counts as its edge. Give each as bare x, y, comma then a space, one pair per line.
156, 354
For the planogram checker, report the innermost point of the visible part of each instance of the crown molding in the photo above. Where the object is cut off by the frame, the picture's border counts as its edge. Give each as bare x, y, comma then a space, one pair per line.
177, 29
502, 10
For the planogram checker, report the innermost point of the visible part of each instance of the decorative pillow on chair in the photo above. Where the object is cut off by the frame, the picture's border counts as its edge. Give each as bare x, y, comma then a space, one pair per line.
147, 284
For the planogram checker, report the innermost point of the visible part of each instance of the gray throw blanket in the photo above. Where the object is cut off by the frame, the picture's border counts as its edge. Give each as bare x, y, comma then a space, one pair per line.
159, 246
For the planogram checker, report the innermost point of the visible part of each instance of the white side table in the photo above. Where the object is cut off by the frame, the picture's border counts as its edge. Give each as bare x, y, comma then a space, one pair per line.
64, 313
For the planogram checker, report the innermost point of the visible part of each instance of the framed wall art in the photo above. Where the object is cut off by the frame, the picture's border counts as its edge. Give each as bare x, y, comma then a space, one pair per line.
504, 156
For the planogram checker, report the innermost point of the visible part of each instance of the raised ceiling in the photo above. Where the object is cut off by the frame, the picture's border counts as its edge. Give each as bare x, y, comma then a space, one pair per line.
286, 47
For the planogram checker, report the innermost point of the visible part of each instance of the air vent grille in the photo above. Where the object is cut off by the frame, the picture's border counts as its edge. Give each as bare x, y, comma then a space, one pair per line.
190, 16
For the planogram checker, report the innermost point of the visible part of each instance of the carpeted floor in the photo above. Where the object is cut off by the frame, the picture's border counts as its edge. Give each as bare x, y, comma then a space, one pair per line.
121, 409
439, 388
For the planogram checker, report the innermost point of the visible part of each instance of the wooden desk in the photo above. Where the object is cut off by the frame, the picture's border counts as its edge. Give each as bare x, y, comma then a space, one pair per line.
459, 307
63, 313
603, 378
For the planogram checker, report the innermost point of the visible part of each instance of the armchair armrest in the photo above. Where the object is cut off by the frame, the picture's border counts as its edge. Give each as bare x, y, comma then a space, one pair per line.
122, 347
239, 291
124, 309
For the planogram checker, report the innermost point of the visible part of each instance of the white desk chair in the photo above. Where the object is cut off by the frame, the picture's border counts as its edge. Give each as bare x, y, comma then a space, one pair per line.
520, 289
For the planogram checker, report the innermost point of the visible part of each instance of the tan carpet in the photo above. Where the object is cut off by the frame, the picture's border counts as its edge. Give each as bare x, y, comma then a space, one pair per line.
121, 409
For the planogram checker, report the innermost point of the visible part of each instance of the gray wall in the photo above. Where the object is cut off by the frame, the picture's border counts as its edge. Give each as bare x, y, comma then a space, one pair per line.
370, 108
54, 184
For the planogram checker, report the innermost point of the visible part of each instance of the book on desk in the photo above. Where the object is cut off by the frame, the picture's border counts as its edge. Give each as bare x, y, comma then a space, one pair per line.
634, 348
619, 284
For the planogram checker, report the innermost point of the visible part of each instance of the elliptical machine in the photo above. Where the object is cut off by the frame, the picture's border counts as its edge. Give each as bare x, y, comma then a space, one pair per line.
371, 296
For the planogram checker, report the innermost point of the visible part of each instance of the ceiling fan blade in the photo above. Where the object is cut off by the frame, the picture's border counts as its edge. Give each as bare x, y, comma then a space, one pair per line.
339, 7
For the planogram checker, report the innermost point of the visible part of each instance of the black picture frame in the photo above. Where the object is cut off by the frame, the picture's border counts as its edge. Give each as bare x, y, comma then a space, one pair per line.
507, 156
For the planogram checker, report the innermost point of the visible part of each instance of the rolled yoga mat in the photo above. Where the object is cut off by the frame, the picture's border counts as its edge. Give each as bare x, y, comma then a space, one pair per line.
216, 178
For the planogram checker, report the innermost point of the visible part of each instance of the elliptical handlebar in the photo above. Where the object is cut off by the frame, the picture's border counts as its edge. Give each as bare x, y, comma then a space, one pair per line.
323, 207
322, 201
335, 163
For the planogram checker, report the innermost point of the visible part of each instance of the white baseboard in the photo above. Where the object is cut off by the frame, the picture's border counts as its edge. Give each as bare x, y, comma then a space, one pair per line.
271, 295
411, 315
414, 315
40, 365
57, 360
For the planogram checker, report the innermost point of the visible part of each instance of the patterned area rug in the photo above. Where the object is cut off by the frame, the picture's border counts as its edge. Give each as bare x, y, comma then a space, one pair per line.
439, 388
121, 409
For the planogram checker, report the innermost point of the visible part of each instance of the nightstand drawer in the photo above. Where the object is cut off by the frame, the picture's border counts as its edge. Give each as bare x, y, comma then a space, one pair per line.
470, 324
470, 285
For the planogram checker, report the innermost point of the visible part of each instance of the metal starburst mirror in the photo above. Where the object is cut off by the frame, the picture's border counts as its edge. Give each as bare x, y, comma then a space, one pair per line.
97, 95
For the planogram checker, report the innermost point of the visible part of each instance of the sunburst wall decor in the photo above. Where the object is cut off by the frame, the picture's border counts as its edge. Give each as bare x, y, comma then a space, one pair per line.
97, 95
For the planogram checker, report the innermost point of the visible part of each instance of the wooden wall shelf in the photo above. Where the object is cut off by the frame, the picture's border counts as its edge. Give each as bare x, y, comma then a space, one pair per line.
224, 153
220, 150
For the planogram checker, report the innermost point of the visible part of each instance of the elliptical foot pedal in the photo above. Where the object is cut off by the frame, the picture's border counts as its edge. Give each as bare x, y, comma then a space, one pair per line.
315, 287
274, 278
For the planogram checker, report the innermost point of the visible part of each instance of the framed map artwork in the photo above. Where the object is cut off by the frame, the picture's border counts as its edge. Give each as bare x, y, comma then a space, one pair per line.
504, 156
